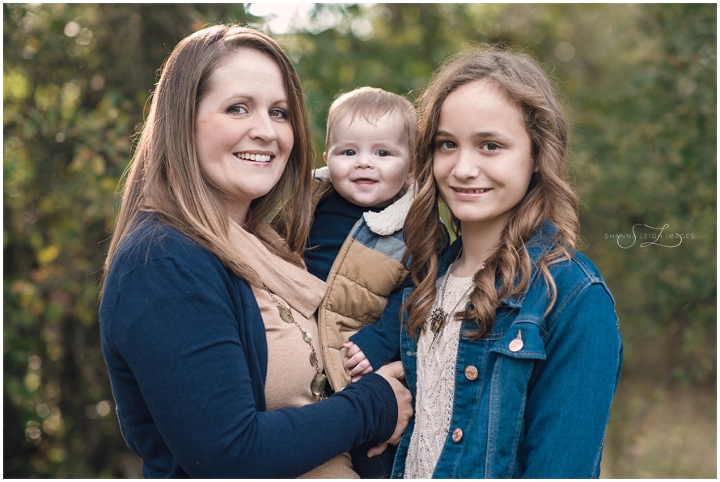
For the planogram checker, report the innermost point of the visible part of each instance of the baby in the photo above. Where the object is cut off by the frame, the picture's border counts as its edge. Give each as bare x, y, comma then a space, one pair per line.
355, 242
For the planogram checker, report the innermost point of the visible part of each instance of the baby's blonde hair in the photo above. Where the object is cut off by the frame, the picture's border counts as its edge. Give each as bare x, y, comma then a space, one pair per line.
371, 104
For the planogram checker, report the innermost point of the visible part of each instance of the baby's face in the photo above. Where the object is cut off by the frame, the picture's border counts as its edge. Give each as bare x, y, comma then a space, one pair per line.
369, 163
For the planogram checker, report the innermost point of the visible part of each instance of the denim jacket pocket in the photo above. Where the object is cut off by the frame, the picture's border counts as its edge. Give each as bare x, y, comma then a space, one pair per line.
515, 356
523, 340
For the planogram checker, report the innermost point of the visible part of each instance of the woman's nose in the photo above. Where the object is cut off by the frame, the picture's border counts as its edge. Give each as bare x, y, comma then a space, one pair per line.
263, 128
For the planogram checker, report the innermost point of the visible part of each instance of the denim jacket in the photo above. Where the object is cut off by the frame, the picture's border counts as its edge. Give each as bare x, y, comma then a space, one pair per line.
539, 411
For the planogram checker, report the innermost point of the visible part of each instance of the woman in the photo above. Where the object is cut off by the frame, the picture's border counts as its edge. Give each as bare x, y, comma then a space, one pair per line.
510, 341
207, 315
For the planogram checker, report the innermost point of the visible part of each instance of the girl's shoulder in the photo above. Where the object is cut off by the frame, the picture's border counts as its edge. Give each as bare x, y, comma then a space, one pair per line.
575, 276
576, 266
572, 273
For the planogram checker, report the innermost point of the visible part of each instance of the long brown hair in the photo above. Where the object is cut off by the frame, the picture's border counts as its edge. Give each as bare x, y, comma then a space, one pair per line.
549, 195
165, 176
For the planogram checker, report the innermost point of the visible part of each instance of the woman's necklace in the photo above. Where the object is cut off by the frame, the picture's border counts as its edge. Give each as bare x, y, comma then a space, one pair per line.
317, 386
439, 317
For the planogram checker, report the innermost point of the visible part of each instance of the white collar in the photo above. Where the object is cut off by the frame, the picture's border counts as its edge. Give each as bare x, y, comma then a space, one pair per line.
389, 220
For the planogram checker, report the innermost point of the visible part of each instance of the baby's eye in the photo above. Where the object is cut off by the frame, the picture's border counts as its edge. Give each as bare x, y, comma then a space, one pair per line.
237, 109
279, 114
382, 153
348, 152
443, 145
490, 146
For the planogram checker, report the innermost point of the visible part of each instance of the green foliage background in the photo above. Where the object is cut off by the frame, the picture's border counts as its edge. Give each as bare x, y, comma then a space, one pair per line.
640, 85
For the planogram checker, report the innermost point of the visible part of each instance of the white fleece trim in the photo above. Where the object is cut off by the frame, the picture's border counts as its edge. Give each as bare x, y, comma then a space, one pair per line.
322, 174
392, 218
387, 221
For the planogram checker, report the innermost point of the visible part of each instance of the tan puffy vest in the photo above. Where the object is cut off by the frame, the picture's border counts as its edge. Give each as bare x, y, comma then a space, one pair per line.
366, 270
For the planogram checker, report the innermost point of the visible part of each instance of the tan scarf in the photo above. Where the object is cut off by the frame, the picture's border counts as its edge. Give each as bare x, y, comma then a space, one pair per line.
298, 288
290, 368
289, 371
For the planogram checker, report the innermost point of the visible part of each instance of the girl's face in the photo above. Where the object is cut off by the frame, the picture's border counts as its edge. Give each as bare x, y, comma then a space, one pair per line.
482, 155
243, 133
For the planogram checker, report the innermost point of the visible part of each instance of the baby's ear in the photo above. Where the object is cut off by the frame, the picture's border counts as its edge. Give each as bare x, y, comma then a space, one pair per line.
325, 157
410, 175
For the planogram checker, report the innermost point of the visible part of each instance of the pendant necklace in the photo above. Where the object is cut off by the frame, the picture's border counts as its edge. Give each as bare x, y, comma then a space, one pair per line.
439, 317
317, 386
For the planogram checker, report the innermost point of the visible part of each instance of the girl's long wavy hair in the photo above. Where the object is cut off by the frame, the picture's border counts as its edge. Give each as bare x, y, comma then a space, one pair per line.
549, 194
165, 175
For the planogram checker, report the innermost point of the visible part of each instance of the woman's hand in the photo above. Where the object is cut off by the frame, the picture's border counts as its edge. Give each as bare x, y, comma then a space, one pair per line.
393, 373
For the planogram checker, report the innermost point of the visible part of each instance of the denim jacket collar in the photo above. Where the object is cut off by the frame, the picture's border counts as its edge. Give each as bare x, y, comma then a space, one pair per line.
539, 244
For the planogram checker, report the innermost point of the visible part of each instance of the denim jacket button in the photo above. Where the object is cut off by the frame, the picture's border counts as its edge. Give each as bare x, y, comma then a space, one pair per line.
471, 373
457, 435
517, 344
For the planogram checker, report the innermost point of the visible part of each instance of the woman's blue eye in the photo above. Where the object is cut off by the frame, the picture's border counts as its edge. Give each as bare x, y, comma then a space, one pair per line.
350, 152
237, 109
279, 114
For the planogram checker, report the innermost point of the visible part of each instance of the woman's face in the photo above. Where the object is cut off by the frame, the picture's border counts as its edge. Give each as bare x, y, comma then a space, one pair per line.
482, 155
243, 131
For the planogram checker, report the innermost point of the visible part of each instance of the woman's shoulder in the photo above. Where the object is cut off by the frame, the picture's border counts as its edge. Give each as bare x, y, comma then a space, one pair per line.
152, 240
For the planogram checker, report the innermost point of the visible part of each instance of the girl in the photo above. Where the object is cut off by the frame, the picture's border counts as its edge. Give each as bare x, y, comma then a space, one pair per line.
207, 316
510, 341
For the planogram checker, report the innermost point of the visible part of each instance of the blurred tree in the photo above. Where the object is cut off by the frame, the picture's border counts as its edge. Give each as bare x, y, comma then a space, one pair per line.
646, 145
639, 81
76, 78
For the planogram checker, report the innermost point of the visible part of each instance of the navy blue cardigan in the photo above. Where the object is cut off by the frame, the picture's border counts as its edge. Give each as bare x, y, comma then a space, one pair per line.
186, 351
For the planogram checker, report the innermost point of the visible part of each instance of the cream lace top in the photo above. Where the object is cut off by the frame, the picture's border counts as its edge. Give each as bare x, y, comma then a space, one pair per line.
436, 383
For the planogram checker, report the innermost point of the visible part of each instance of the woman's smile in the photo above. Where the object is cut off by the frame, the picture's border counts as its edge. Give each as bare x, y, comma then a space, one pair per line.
246, 156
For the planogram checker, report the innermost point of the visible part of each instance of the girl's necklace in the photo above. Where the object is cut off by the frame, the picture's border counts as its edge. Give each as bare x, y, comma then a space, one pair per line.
439, 317
317, 386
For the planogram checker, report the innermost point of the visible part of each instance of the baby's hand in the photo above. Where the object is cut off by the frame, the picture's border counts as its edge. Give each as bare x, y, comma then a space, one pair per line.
358, 364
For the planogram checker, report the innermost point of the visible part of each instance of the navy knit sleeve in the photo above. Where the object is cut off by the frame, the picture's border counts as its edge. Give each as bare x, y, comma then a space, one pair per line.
186, 396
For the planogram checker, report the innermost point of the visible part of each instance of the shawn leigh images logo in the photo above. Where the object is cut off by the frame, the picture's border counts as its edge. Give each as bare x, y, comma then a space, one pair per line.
655, 236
